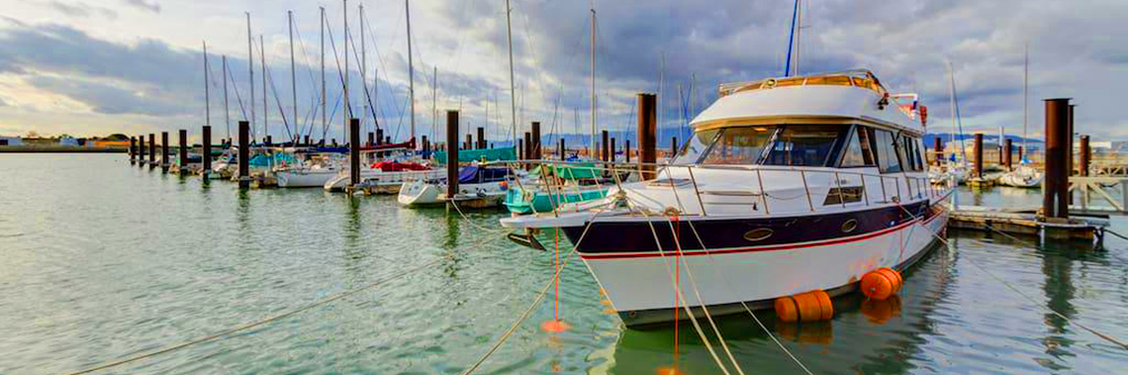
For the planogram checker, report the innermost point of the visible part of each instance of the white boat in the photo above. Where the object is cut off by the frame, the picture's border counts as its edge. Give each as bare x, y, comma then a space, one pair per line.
1022, 177
788, 185
478, 187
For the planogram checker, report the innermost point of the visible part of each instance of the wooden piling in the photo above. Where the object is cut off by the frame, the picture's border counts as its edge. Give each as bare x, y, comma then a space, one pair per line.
152, 150
627, 150
563, 152
269, 140
426, 145
673, 147
603, 147
371, 139
647, 133
132, 151
537, 152
244, 155
1055, 202
1069, 146
141, 150
611, 148
1007, 154
354, 152
1086, 156
520, 149
452, 154
979, 155
481, 138
205, 155
379, 136
306, 143
528, 146
182, 153
388, 140
164, 152
1020, 150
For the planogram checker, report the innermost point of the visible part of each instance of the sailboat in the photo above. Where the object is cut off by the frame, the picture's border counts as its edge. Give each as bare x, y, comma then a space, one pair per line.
1023, 176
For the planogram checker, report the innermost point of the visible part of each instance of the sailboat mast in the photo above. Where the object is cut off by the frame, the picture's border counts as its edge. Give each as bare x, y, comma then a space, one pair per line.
363, 65
410, 67
347, 99
798, 33
265, 103
293, 77
1025, 98
324, 115
226, 112
593, 97
251, 70
512, 86
434, 101
952, 104
207, 94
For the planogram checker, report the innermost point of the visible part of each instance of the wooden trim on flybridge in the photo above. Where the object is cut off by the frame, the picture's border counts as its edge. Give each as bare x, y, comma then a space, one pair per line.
800, 120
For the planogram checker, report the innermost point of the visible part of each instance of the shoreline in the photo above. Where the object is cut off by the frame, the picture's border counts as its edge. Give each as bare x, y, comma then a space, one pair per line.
61, 150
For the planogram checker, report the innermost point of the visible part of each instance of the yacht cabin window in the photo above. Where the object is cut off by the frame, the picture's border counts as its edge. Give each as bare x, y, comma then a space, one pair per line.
888, 154
859, 149
739, 145
805, 145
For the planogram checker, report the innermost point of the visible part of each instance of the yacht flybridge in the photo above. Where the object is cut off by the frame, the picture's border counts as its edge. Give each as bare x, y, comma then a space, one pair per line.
788, 185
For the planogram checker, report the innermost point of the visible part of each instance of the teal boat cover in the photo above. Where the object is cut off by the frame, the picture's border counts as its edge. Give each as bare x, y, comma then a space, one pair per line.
492, 154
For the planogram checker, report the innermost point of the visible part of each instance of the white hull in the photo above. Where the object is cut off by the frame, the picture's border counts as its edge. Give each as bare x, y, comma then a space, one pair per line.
422, 193
304, 178
637, 285
1022, 177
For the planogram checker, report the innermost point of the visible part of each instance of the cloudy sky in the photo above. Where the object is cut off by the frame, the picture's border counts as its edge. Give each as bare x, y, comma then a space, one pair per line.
87, 67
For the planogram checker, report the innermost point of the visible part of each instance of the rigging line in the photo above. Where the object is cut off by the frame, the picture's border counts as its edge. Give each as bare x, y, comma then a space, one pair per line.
393, 277
313, 82
533, 305
745, 305
337, 59
237, 96
387, 78
364, 86
274, 91
1010, 286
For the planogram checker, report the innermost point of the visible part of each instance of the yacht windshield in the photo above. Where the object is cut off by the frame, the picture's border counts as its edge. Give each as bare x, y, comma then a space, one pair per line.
791, 145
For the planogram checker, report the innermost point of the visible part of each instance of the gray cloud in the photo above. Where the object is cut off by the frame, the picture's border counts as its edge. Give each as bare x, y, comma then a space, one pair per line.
145, 5
80, 10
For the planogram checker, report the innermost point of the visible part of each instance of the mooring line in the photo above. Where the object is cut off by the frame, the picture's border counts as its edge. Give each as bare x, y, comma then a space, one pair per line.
256, 323
1108, 338
1116, 234
513, 328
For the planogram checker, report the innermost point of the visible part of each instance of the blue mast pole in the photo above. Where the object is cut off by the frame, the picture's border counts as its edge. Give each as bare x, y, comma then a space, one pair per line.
791, 40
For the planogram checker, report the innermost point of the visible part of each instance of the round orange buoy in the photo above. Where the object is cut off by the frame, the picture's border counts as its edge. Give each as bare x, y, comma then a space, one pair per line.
807, 307
881, 283
668, 370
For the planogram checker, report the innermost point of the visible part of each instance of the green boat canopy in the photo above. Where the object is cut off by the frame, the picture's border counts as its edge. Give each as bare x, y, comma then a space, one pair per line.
492, 154
574, 171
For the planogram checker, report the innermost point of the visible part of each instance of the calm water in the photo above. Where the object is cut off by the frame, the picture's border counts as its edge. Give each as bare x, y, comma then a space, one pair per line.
103, 261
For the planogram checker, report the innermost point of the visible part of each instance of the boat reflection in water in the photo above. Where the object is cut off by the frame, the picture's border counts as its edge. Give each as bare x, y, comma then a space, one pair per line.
864, 336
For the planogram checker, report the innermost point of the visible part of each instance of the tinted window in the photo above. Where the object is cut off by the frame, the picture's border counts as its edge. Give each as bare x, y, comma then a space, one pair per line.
805, 145
859, 152
697, 145
742, 145
887, 156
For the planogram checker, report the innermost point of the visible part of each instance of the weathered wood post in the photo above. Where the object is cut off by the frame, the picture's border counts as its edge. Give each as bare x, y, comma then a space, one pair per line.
563, 152
132, 150
152, 150
379, 137
647, 133
1055, 203
603, 147
611, 148
182, 153
673, 147
164, 152
1007, 150
1020, 151
520, 149
481, 138
306, 143
452, 155
979, 155
244, 155
354, 152
205, 154
388, 139
537, 152
269, 141
1086, 156
141, 150
627, 150
938, 148
371, 139
1069, 148
470, 142
528, 146
426, 145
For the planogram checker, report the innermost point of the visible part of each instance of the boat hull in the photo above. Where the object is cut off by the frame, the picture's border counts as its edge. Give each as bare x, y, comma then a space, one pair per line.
304, 179
804, 253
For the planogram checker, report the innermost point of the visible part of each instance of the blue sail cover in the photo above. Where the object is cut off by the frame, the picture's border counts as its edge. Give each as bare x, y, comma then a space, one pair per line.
476, 175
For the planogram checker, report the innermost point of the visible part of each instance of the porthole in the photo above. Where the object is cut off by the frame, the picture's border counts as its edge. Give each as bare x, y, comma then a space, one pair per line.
849, 226
758, 234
